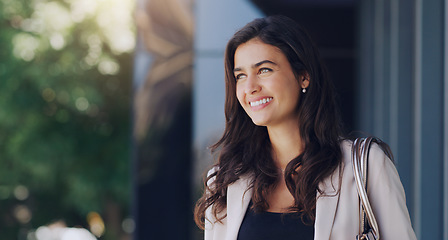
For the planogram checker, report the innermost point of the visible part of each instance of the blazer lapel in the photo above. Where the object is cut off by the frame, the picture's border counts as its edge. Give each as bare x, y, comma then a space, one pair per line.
326, 206
238, 198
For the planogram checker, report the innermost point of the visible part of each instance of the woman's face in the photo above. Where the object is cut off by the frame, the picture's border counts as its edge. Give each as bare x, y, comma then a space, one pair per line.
265, 84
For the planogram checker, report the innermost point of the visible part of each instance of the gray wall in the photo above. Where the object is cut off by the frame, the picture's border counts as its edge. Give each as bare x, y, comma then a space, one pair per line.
402, 99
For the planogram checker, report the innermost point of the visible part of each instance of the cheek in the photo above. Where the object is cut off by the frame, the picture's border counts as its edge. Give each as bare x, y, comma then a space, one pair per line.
294, 94
239, 95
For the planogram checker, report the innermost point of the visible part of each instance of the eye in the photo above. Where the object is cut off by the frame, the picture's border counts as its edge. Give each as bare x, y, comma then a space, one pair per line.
240, 76
264, 70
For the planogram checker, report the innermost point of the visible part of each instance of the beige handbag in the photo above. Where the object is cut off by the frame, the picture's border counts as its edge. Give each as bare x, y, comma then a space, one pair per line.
368, 227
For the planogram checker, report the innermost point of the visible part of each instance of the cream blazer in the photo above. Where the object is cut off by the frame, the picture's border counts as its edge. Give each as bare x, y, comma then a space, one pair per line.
337, 213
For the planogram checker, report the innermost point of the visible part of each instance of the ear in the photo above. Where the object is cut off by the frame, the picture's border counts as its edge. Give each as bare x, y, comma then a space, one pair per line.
305, 77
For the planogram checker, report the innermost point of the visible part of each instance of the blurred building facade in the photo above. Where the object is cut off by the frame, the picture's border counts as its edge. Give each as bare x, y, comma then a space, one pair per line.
386, 57
162, 120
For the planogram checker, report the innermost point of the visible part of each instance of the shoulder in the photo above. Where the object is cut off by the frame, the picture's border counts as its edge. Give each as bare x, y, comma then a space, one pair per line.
382, 175
377, 156
377, 162
384, 189
381, 169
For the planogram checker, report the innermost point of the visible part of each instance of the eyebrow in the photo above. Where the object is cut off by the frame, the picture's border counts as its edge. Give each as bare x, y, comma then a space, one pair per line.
256, 65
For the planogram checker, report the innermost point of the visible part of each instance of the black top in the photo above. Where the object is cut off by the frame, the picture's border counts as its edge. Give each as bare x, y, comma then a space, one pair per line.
274, 226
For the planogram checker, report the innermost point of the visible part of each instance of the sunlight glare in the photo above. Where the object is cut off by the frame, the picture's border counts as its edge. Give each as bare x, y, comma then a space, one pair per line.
25, 46
55, 17
117, 24
108, 67
57, 41
52, 22
81, 9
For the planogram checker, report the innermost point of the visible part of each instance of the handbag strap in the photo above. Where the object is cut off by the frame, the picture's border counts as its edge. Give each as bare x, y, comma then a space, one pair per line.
360, 153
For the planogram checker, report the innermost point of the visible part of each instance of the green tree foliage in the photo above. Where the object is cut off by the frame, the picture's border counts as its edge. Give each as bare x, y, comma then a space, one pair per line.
65, 76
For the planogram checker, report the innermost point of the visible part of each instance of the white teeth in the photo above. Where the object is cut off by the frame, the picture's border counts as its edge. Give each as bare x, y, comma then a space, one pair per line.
262, 101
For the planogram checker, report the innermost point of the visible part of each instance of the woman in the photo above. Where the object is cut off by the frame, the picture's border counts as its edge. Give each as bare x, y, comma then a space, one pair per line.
283, 171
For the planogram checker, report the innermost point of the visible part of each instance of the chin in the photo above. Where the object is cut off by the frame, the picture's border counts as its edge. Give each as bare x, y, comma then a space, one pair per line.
259, 123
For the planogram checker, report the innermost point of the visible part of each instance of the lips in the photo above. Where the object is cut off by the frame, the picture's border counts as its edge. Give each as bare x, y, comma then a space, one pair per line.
260, 102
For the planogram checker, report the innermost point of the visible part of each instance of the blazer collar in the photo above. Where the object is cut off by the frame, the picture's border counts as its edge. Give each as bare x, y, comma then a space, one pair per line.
326, 205
239, 195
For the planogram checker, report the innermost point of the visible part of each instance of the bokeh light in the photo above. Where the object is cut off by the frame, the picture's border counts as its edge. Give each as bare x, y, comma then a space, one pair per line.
96, 224
21, 193
113, 20
65, 98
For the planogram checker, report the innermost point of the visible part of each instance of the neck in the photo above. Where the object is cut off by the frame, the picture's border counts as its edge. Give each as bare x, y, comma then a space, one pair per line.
286, 143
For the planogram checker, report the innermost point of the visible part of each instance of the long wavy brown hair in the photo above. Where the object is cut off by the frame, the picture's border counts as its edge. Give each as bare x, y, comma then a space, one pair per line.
245, 147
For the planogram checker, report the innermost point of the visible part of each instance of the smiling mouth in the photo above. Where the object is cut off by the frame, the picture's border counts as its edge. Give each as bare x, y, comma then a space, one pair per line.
259, 102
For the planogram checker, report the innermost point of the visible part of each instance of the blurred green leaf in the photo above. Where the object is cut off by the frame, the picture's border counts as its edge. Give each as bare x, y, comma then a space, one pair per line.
65, 97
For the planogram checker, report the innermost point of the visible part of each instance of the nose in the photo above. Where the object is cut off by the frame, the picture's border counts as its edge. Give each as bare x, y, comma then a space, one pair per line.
252, 85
